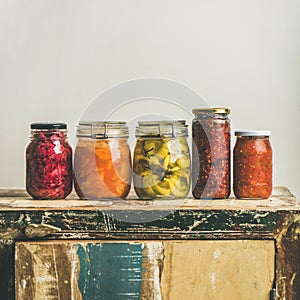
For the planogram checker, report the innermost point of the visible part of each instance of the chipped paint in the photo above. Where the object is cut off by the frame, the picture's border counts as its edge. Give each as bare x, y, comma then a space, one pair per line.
261, 215
217, 253
293, 278
213, 282
152, 267
9, 233
197, 223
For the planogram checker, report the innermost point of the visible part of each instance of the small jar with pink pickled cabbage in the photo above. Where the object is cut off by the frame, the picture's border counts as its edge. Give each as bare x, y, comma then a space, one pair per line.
49, 162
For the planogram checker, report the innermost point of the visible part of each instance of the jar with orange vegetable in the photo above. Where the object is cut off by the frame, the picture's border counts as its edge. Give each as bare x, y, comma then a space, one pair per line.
252, 165
102, 160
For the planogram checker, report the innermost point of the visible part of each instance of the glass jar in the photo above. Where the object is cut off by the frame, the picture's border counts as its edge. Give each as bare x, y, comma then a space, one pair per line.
48, 162
161, 161
102, 160
252, 165
211, 153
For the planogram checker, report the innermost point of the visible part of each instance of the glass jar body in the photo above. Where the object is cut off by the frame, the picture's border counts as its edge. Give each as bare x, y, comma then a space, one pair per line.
102, 168
211, 178
252, 168
48, 165
161, 167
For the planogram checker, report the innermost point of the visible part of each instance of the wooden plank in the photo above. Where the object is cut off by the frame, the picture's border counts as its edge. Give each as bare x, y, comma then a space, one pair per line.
87, 270
278, 191
288, 259
144, 270
7, 290
235, 270
176, 224
280, 200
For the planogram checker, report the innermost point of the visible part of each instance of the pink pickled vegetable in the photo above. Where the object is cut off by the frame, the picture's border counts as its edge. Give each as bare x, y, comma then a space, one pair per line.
49, 165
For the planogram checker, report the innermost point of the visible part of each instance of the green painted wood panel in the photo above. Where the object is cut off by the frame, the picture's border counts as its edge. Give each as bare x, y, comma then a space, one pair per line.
110, 271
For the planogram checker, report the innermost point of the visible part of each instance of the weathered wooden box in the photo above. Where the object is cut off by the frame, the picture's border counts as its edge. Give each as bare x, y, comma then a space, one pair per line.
187, 249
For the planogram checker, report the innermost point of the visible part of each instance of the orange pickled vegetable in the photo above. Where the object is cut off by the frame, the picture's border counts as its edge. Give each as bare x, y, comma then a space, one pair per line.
102, 169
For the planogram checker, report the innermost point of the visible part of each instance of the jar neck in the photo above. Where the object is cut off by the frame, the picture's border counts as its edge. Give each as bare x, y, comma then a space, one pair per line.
102, 130
48, 134
211, 115
162, 129
253, 138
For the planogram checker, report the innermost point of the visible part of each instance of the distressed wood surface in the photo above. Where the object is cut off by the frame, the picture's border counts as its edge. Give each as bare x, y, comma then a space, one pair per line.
141, 222
7, 269
195, 270
276, 219
288, 259
235, 270
16, 199
88, 270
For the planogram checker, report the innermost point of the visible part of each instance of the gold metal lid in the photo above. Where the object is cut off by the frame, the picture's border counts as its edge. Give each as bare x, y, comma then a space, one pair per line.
207, 110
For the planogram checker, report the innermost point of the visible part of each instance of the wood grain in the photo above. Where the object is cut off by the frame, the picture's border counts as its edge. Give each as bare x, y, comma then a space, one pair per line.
97, 270
218, 270
87, 270
280, 198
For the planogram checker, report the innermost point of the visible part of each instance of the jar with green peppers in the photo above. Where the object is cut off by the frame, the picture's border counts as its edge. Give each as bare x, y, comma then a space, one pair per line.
161, 160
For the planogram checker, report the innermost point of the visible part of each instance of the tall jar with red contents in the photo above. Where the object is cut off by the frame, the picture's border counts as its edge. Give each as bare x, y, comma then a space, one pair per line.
252, 165
48, 162
211, 153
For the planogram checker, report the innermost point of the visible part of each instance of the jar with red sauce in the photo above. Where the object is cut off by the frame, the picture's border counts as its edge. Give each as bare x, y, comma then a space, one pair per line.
48, 162
211, 153
252, 165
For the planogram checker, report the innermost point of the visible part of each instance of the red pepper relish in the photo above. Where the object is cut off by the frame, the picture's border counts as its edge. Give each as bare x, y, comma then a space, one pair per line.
211, 153
252, 165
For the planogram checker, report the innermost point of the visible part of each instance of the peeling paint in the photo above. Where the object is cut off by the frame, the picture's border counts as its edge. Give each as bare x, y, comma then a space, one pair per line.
213, 282
293, 278
261, 215
9, 233
251, 225
155, 254
197, 223
217, 253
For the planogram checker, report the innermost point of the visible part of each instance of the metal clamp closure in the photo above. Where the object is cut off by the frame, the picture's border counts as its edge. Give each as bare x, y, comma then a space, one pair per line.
162, 133
97, 135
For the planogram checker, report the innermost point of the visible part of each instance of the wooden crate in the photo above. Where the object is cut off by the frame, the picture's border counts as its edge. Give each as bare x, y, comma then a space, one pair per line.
131, 249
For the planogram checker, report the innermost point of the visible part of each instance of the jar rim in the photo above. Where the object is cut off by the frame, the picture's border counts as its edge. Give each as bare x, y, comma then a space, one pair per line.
102, 129
162, 128
214, 110
242, 133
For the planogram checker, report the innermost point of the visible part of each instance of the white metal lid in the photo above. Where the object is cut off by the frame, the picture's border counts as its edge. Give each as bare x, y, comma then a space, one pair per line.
252, 133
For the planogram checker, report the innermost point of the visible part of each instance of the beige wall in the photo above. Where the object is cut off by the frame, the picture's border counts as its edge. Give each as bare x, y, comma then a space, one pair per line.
56, 56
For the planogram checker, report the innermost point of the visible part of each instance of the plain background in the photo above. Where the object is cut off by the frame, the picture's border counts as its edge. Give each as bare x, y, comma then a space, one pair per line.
56, 56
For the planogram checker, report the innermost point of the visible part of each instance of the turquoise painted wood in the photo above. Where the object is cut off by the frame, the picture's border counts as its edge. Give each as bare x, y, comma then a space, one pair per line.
110, 271
88, 270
